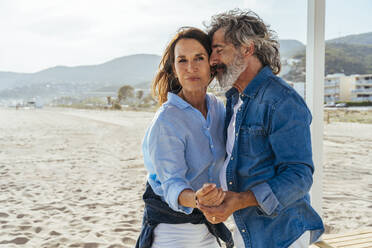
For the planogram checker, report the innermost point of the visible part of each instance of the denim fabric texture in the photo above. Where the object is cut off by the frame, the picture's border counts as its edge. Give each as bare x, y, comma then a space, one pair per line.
272, 157
157, 211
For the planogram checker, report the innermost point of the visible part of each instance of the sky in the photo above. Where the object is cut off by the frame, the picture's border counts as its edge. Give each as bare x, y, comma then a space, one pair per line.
39, 34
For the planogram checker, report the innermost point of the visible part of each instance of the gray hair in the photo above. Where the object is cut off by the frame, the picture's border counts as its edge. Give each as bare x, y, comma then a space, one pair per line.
243, 27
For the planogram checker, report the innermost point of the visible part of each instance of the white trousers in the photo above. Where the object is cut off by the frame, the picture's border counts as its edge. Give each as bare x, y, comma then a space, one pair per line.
183, 236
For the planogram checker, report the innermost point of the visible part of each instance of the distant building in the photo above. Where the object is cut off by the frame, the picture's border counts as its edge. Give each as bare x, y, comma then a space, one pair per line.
353, 88
363, 88
338, 87
341, 88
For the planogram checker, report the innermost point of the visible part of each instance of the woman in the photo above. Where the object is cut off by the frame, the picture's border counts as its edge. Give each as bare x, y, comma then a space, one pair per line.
183, 149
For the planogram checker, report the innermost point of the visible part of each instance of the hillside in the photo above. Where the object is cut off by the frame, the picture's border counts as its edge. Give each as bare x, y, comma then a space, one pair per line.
129, 70
349, 55
288, 48
359, 39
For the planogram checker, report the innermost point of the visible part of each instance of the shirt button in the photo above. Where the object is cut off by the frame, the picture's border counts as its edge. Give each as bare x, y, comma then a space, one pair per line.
212, 146
239, 109
232, 158
236, 134
230, 183
243, 230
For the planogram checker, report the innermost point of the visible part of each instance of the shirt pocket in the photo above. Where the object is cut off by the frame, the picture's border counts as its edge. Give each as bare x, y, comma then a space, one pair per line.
253, 140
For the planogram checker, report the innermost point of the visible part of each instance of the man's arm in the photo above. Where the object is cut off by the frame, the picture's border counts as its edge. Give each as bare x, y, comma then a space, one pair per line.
290, 141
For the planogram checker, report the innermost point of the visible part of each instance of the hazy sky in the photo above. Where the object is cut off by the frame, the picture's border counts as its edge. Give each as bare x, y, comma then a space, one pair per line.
37, 34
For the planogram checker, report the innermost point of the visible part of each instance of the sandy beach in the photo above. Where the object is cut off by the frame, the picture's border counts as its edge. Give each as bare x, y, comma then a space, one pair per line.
74, 178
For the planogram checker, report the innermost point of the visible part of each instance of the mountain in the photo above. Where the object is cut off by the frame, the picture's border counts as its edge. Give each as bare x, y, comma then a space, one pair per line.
8, 79
288, 48
349, 55
130, 70
135, 70
356, 39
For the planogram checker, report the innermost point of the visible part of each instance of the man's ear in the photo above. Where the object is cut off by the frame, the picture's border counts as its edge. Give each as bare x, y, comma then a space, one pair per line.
247, 50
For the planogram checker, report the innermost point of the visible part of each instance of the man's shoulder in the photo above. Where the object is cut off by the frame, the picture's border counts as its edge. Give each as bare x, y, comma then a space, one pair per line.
277, 90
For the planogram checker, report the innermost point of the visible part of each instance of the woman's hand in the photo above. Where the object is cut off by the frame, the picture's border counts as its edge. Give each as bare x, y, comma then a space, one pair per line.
209, 195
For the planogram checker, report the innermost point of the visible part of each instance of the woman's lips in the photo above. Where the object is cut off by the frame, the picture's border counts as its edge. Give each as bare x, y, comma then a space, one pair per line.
193, 78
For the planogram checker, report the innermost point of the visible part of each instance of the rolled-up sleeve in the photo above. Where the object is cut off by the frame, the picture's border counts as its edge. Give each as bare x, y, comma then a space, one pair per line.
167, 154
290, 140
265, 197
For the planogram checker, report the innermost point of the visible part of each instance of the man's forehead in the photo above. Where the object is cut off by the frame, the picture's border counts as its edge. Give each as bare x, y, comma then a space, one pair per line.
219, 35
219, 38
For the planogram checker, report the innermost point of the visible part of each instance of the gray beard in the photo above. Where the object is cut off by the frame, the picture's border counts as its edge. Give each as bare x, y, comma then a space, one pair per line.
228, 78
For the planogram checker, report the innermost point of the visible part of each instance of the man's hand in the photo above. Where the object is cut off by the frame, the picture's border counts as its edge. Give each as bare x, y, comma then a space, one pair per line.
222, 212
209, 195
233, 202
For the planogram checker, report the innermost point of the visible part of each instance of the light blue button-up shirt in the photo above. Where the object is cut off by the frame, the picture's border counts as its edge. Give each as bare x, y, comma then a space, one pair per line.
182, 149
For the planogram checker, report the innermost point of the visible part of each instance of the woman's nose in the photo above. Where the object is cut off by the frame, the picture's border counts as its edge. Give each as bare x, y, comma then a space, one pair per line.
191, 66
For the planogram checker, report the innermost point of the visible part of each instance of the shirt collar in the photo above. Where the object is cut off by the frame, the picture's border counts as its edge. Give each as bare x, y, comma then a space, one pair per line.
252, 88
177, 101
231, 92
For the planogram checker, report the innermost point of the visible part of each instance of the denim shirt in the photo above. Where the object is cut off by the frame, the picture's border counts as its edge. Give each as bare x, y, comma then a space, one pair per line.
272, 157
184, 150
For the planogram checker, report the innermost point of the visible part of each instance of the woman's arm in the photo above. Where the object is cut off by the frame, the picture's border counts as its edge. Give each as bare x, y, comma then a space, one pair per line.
165, 147
187, 198
208, 195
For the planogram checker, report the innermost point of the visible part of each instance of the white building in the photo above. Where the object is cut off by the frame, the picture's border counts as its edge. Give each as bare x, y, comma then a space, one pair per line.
362, 88
338, 87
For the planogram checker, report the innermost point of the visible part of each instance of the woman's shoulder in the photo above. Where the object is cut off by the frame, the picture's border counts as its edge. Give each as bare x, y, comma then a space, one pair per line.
215, 102
213, 98
167, 122
168, 114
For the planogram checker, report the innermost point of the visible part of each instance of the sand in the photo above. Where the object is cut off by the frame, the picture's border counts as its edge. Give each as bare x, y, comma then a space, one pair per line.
74, 178
347, 178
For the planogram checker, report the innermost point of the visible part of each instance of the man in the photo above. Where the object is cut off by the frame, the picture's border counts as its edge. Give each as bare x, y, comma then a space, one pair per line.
268, 169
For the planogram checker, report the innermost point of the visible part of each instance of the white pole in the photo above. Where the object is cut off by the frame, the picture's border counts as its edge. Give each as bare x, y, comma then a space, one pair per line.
315, 50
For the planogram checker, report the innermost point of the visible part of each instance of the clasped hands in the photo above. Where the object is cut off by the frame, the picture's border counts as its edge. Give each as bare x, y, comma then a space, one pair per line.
217, 205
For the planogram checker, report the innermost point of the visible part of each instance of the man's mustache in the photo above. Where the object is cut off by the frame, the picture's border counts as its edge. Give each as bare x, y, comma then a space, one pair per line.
216, 67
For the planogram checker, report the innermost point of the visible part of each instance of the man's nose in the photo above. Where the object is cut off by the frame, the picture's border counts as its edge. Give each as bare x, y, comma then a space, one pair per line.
213, 60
